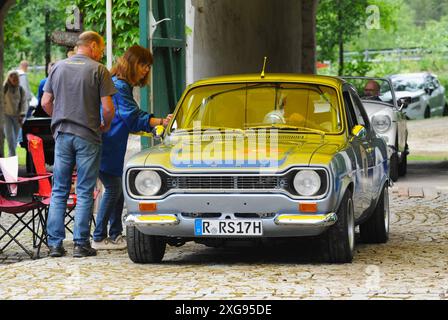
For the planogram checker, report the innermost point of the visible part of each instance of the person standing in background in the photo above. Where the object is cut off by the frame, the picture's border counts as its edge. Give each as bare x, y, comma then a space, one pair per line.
14, 109
39, 112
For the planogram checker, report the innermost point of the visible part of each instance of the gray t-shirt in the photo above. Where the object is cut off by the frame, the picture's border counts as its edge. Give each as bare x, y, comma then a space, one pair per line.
77, 84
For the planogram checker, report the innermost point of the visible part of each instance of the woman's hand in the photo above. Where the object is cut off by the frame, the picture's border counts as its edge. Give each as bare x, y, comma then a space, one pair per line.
167, 120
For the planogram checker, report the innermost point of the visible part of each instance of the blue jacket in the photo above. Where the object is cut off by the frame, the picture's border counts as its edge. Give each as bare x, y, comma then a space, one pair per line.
128, 118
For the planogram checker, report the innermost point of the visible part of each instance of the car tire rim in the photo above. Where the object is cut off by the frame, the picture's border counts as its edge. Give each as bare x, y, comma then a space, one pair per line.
350, 225
386, 210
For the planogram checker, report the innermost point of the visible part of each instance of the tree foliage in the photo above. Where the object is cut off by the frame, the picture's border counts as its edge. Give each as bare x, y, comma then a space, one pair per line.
125, 21
341, 21
25, 28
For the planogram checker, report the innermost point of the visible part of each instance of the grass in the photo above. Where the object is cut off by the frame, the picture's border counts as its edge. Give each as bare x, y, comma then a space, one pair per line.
427, 158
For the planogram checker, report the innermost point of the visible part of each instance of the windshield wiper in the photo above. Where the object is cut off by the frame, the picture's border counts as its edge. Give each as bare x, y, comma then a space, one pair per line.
202, 129
289, 127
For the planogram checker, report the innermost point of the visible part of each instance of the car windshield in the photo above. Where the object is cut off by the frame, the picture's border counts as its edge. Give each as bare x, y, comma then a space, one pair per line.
408, 84
372, 89
243, 106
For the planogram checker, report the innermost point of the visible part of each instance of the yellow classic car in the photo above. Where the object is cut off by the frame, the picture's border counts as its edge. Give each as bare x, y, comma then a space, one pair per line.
260, 156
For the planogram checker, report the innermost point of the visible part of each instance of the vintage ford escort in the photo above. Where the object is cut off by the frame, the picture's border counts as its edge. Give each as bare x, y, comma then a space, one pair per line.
252, 156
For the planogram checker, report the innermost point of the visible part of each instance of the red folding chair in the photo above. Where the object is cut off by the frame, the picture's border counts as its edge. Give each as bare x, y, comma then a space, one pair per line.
28, 216
36, 148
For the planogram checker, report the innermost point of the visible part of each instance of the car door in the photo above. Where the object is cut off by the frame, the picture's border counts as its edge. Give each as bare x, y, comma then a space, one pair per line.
367, 141
434, 89
361, 192
439, 93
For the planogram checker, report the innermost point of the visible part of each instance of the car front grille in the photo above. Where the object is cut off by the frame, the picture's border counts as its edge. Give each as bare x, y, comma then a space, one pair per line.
226, 182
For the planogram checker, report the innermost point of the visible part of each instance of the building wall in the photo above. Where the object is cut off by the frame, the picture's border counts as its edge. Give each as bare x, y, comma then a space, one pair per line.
233, 36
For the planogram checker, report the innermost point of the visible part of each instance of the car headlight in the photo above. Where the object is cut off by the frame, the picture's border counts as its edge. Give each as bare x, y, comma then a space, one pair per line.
381, 123
148, 183
307, 182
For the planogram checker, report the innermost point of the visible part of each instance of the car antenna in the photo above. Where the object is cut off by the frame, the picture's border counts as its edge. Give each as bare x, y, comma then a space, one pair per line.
264, 67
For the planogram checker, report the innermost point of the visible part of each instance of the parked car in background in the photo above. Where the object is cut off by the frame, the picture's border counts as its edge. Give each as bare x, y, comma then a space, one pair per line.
427, 94
387, 118
260, 156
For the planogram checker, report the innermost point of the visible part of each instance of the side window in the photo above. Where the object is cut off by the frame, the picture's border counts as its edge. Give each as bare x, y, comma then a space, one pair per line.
351, 117
360, 113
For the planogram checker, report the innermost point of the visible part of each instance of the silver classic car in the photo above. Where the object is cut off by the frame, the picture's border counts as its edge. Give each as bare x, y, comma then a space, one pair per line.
386, 114
260, 156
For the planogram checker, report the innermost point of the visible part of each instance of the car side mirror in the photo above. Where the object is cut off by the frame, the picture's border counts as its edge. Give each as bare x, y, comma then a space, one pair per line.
429, 89
404, 102
359, 131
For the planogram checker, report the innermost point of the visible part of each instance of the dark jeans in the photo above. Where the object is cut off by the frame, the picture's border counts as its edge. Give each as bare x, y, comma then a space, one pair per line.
111, 208
71, 150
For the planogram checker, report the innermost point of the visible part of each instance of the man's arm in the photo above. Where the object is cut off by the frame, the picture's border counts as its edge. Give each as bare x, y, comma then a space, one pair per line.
47, 103
108, 113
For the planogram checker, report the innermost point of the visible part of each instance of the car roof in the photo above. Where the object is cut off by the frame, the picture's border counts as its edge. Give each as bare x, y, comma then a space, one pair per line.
410, 75
272, 77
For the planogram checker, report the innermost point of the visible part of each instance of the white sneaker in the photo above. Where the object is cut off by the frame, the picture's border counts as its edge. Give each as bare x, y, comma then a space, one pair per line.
120, 242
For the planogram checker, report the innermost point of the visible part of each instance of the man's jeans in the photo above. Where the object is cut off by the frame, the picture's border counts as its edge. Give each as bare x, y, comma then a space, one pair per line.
111, 208
71, 150
12, 128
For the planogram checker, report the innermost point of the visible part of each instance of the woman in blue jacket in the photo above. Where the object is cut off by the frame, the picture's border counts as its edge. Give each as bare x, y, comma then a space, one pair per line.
132, 69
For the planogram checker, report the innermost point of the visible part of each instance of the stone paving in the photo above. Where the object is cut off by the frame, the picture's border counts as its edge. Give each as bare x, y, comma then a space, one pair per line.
412, 265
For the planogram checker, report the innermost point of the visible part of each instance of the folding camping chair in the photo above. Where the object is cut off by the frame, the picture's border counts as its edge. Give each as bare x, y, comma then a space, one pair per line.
28, 216
36, 148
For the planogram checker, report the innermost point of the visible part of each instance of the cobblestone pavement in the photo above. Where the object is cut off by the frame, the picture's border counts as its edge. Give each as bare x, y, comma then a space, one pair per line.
412, 265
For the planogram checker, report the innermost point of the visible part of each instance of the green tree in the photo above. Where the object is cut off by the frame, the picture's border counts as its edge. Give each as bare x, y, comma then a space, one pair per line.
341, 21
27, 28
125, 21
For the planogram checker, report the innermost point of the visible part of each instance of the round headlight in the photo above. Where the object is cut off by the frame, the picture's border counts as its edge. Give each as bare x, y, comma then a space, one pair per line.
381, 123
307, 182
148, 183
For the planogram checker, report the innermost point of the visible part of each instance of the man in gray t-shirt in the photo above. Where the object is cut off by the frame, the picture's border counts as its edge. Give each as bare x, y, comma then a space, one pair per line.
77, 91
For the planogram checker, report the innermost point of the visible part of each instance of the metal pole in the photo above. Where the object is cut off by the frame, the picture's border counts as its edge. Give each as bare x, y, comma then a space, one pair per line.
109, 33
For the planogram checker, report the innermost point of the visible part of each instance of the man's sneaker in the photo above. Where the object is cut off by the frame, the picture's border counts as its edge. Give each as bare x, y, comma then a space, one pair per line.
105, 244
56, 252
120, 243
108, 244
81, 251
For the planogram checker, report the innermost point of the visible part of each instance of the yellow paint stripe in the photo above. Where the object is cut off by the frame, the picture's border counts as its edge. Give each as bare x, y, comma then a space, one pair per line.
156, 218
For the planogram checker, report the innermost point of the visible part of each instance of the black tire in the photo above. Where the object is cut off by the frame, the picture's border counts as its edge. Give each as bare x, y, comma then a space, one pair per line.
445, 110
143, 248
427, 112
403, 167
393, 170
376, 228
338, 243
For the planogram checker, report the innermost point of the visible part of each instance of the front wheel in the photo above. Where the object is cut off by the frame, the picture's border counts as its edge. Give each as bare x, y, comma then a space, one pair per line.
445, 110
393, 170
143, 248
339, 240
376, 228
427, 113
403, 167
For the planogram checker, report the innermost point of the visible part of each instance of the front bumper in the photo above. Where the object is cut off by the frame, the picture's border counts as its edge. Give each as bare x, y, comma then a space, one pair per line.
176, 215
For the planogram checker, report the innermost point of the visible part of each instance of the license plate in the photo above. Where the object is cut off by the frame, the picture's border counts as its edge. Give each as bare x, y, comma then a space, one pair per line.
204, 227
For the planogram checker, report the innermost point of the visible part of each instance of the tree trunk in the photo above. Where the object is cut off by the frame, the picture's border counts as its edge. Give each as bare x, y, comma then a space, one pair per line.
47, 40
340, 43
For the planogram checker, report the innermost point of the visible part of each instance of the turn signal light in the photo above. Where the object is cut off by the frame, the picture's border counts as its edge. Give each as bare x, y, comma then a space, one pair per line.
308, 207
148, 207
